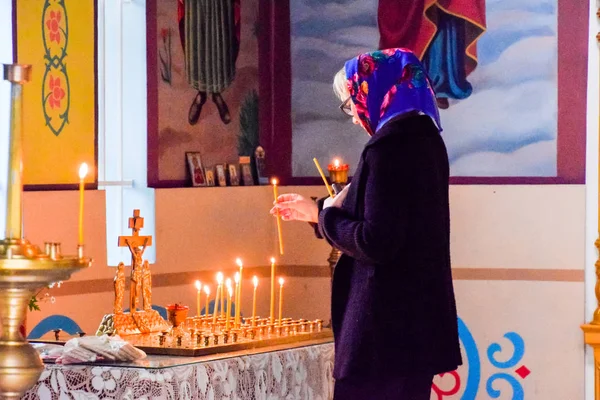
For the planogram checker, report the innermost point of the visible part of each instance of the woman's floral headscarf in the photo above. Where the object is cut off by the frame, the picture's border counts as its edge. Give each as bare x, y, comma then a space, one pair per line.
386, 83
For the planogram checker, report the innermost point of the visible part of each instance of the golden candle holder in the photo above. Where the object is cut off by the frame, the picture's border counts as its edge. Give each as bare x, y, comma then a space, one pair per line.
24, 268
211, 339
338, 175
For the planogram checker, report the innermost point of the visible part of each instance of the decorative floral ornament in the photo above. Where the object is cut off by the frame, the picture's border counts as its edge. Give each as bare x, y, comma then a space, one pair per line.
53, 24
57, 93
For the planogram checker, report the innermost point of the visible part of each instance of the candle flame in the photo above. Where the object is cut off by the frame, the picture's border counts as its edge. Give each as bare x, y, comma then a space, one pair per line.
255, 281
198, 285
219, 278
238, 261
236, 278
336, 162
228, 283
83, 170
206, 290
274, 181
281, 281
272, 260
230, 291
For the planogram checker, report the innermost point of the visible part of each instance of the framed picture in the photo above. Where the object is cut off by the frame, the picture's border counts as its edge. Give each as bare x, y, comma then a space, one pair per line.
210, 177
196, 169
234, 175
246, 171
220, 171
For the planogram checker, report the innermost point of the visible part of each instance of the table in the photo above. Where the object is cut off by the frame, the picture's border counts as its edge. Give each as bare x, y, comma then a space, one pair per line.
302, 371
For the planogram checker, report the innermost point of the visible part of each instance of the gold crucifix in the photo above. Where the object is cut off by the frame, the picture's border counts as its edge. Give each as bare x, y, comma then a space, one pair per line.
140, 279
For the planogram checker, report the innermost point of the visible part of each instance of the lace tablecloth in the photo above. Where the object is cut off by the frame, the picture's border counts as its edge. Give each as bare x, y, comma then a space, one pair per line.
302, 373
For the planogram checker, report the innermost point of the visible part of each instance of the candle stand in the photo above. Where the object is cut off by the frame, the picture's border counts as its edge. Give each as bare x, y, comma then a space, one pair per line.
199, 336
338, 174
24, 268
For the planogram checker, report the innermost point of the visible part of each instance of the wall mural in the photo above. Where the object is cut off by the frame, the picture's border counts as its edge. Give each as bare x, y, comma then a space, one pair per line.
58, 38
493, 64
202, 84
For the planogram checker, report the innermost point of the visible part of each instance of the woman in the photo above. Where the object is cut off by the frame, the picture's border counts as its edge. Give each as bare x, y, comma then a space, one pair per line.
393, 309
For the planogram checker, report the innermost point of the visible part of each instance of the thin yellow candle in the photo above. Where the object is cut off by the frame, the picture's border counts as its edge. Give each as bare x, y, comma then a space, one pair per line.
236, 279
255, 282
207, 291
214, 321
218, 292
280, 300
238, 304
222, 307
275, 195
83, 170
230, 292
323, 177
198, 292
272, 308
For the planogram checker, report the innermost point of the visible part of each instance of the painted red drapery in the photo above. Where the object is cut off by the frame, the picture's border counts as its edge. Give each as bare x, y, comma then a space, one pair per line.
413, 24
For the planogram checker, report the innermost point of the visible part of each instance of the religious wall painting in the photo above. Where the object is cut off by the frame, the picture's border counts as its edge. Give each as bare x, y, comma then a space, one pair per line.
493, 65
58, 38
202, 84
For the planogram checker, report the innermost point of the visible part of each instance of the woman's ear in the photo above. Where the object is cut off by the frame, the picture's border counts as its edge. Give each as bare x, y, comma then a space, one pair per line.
355, 117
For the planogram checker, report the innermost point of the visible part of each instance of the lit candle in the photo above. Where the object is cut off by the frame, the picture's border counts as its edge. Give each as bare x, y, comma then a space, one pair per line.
230, 292
227, 284
236, 279
238, 304
323, 177
255, 282
207, 291
219, 290
198, 291
280, 299
338, 172
83, 170
275, 195
272, 308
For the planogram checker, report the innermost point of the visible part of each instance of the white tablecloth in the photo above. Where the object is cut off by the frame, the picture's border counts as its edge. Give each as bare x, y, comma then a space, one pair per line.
301, 373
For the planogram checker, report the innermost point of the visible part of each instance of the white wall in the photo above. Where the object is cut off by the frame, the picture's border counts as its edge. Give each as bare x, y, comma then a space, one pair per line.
591, 254
5, 58
122, 127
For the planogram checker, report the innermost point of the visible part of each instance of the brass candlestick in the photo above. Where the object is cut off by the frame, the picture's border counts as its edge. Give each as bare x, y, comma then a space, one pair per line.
338, 175
24, 269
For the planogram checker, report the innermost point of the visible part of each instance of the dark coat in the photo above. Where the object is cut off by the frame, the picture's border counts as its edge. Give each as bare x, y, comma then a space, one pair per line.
393, 309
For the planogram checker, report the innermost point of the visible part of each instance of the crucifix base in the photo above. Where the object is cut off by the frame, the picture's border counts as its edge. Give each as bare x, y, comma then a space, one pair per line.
132, 324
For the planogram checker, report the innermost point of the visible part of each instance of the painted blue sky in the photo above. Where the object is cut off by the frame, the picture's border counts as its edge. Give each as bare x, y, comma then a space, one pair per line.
506, 128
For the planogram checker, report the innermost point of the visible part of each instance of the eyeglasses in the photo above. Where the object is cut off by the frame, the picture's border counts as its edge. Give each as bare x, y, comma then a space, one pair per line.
346, 107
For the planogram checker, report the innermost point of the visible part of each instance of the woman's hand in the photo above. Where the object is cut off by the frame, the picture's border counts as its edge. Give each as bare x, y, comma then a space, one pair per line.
294, 207
337, 200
